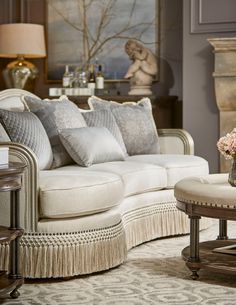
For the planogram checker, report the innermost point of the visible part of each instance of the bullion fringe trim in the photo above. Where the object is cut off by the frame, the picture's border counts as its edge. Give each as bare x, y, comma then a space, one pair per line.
155, 221
45, 255
63, 255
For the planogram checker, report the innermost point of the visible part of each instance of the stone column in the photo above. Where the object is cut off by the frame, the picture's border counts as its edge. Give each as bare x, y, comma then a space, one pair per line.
225, 86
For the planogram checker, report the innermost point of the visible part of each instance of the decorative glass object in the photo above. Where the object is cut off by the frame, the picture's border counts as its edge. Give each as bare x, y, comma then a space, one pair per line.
232, 173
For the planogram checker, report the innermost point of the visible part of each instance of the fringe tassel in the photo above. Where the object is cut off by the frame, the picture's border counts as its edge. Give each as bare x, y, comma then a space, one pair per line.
45, 255
46, 261
140, 227
66, 255
4, 255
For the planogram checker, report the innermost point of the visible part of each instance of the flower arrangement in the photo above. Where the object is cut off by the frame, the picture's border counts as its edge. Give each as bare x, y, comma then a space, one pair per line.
227, 145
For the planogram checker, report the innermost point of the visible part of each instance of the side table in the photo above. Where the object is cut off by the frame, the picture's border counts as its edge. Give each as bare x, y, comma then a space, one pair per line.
11, 180
209, 196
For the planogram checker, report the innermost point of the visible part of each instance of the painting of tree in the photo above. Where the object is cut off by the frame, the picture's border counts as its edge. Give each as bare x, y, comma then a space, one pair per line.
89, 31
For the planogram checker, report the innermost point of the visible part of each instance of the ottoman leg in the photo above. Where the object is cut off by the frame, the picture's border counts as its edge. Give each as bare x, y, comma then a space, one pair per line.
194, 246
222, 230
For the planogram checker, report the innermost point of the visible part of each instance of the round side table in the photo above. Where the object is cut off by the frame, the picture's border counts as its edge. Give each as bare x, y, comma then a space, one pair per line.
11, 181
209, 196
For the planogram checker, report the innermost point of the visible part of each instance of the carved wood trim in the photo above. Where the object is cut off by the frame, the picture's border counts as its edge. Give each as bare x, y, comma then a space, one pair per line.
201, 24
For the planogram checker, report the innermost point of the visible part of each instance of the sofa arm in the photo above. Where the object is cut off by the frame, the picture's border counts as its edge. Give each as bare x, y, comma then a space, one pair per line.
29, 191
176, 141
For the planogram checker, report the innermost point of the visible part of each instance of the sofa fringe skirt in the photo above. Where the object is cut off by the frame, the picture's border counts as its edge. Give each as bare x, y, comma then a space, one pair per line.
59, 255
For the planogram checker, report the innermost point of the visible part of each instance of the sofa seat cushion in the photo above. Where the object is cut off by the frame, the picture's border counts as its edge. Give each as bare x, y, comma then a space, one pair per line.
137, 177
65, 194
177, 166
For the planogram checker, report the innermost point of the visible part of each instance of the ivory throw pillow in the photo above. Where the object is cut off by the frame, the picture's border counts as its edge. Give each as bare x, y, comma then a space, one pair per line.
25, 128
136, 123
54, 117
104, 118
91, 145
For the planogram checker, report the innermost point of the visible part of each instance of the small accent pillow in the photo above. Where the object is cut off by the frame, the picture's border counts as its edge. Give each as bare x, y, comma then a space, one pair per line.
136, 123
91, 145
104, 118
54, 117
25, 128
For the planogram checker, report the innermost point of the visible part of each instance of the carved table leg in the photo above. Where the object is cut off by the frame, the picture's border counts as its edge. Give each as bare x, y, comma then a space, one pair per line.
222, 230
15, 293
14, 246
194, 246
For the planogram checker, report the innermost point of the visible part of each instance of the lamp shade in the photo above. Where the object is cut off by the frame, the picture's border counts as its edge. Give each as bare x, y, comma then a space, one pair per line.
24, 39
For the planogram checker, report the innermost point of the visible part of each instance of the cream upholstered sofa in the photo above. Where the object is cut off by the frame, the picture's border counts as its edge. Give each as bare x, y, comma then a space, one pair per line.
81, 220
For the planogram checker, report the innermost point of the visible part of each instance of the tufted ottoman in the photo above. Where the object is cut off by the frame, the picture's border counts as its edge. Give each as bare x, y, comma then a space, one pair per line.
209, 196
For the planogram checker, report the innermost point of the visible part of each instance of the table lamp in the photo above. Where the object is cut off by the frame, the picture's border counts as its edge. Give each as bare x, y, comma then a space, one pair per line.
20, 41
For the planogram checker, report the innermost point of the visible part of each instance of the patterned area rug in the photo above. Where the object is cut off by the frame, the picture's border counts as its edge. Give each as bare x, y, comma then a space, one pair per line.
153, 274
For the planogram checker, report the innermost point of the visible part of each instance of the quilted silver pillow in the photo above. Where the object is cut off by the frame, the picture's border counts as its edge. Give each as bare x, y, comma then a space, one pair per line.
3, 134
104, 118
91, 145
54, 117
136, 123
25, 128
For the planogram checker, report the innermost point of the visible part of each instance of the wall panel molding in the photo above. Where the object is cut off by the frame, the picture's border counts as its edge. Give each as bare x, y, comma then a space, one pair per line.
10, 11
209, 16
14, 11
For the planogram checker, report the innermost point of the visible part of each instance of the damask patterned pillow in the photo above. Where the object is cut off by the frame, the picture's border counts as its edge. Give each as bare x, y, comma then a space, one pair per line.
136, 123
54, 117
104, 118
25, 128
97, 103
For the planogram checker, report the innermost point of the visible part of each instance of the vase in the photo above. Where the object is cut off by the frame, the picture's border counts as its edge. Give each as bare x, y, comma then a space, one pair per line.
232, 173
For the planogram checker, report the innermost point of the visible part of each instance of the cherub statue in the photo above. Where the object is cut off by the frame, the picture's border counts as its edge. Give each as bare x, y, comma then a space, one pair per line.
143, 69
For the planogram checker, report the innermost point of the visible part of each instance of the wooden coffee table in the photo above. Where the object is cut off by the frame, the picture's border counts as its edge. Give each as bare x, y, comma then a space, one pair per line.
209, 196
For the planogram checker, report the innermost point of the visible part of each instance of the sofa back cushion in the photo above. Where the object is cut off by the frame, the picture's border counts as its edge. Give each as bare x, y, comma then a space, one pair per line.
135, 122
91, 145
104, 118
25, 128
56, 116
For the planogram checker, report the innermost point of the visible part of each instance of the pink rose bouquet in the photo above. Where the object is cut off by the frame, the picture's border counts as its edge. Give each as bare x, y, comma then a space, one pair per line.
227, 145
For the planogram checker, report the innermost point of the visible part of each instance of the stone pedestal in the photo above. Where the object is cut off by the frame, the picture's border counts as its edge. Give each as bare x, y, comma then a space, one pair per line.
225, 86
140, 90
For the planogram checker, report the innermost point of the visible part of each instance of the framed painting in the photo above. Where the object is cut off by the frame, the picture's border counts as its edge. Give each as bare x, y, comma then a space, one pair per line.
95, 31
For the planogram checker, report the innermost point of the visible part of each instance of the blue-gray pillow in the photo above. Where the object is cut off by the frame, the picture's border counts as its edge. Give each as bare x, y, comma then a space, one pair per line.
91, 145
25, 128
136, 123
104, 118
56, 115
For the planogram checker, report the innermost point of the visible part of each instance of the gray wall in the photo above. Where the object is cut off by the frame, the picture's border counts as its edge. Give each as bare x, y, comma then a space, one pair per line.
171, 32
200, 114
